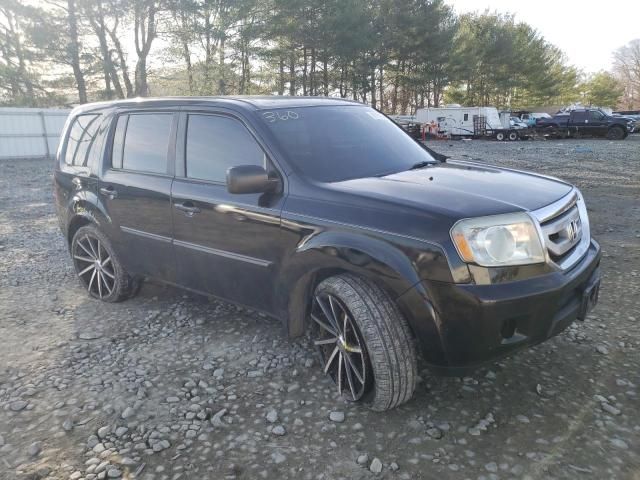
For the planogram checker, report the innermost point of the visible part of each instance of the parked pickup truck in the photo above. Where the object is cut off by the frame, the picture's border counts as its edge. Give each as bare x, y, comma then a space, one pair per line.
591, 122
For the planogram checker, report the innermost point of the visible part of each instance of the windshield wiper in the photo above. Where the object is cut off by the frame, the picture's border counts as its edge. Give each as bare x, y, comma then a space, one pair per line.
419, 165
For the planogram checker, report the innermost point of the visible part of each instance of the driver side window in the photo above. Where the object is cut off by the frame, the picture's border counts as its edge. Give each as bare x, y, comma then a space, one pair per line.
595, 116
215, 143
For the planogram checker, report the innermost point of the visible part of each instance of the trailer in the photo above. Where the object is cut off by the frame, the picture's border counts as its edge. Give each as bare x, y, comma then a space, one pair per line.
470, 122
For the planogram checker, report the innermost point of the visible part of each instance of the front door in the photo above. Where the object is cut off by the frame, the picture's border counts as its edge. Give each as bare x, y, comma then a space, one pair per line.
598, 123
225, 244
136, 190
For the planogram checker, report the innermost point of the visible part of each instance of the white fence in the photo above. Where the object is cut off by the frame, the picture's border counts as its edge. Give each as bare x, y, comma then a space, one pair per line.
30, 132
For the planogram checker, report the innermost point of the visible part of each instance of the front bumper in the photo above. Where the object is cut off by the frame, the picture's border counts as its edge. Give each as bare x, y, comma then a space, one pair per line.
462, 326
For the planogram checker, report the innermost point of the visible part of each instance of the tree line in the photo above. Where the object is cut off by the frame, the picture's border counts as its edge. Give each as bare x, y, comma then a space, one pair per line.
396, 55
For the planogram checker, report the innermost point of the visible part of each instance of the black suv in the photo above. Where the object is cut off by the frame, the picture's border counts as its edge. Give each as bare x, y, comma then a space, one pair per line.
325, 214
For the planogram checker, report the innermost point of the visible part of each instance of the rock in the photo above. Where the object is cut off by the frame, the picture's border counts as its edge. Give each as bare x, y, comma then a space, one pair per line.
601, 349
173, 399
104, 431
337, 417
272, 416
607, 407
434, 433
120, 431
216, 420
491, 467
376, 465
278, 457
394, 467
278, 430
1, 441
362, 459
67, 425
18, 405
89, 335
616, 442
114, 473
34, 449
128, 412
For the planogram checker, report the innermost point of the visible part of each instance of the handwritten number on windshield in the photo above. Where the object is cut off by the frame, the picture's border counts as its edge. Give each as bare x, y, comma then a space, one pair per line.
272, 117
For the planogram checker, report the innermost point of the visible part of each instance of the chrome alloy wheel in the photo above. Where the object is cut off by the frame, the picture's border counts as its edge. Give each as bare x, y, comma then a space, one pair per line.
94, 266
342, 350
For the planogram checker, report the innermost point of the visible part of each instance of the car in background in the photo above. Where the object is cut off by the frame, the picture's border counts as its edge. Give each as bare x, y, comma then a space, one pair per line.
517, 123
530, 118
586, 122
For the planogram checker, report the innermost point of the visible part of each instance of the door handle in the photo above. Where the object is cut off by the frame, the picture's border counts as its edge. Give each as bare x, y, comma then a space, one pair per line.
188, 208
109, 192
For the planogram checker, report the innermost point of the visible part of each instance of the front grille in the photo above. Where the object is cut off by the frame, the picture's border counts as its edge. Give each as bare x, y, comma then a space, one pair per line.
565, 229
562, 233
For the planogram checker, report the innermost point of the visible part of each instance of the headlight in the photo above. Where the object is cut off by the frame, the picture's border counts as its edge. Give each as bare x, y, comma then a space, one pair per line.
499, 240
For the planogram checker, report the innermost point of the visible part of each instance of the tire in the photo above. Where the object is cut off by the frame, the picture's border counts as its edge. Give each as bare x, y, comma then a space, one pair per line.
106, 279
500, 136
375, 341
615, 133
513, 136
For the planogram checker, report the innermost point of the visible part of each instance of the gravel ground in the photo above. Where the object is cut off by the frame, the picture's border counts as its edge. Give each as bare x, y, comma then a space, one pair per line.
170, 385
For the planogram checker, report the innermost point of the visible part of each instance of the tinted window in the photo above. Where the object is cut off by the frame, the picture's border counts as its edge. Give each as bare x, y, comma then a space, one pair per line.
118, 142
334, 143
215, 143
146, 142
580, 116
596, 116
81, 138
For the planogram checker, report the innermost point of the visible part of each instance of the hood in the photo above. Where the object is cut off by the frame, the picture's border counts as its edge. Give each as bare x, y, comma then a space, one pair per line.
461, 189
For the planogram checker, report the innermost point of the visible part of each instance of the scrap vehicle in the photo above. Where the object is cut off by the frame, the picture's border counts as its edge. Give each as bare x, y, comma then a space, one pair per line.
470, 122
530, 117
326, 215
580, 122
409, 124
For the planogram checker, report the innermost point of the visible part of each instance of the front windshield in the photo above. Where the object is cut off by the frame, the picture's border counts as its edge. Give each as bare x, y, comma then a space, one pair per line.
336, 143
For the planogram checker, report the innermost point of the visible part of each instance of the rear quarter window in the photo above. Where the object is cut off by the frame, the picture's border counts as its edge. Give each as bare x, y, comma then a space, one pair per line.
82, 143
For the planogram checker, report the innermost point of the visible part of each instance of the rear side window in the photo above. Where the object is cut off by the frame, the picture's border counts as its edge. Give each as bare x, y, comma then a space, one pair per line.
81, 140
215, 143
141, 142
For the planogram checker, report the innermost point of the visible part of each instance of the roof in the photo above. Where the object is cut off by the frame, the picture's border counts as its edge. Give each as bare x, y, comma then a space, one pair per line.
243, 102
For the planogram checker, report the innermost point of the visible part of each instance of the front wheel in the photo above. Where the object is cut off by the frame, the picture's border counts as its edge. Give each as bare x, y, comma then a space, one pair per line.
98, 267
513, 136
364, 342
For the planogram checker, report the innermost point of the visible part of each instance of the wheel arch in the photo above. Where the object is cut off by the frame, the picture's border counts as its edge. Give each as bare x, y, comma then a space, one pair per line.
85, 208
332, 254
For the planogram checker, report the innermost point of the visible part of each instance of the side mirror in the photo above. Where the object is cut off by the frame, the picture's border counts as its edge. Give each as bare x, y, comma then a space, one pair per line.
249, 179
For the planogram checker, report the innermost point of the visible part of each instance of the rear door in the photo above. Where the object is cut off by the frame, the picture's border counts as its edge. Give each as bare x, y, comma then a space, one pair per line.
136, 188
226, 244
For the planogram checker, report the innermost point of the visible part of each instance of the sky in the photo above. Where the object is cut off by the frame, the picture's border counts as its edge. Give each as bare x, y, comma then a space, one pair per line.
588, 31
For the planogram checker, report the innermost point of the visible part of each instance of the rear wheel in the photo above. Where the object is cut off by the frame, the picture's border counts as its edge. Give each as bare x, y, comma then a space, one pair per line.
513, 136
500, 136
615, 133
364, 342
98, 267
